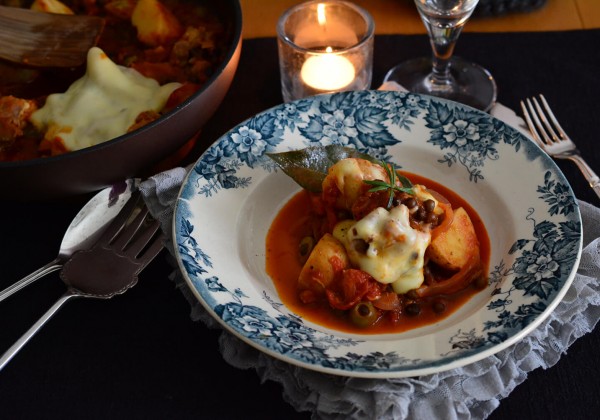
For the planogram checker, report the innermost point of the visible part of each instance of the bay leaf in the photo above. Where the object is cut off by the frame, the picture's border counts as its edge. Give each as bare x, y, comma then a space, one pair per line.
309, 166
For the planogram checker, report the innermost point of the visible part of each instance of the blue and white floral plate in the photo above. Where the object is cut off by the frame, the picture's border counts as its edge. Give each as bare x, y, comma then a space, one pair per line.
234, 191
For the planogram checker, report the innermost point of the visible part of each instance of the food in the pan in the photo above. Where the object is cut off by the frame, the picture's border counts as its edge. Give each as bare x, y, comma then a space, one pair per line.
152, 55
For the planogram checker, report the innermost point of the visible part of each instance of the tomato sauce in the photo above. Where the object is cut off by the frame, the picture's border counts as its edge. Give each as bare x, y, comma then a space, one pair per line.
283, 265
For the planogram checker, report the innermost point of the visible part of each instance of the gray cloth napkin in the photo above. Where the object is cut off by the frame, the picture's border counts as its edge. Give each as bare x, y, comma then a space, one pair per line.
470, 392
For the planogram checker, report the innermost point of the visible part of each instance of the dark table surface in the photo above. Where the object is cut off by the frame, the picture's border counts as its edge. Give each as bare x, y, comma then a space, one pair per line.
140, 356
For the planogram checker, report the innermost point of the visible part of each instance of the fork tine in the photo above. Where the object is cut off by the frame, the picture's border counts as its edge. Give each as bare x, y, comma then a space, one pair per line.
561, 133
143, 237
121, 219
532, 128
153, 249
551, 137
132, 230
544, 136
123, 238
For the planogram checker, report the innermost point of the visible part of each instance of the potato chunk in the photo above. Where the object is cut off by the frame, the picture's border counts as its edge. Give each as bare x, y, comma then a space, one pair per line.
453, 248
51, 6
155, 24
326, 259
347, 176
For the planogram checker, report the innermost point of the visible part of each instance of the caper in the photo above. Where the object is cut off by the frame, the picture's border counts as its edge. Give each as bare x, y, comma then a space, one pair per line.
438, 305
360, 245
412, 309
432, 218
410, 202
305, 247
429, 205
364, 314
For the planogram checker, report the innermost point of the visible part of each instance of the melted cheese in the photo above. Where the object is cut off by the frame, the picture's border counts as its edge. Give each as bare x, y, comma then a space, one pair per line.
100, 106
384, 245
348, 176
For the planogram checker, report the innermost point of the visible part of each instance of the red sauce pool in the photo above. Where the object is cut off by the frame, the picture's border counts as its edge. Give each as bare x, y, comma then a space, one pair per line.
283, 266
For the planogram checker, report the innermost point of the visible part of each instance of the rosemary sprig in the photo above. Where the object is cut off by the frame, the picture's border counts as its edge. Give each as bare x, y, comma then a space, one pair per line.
379, 185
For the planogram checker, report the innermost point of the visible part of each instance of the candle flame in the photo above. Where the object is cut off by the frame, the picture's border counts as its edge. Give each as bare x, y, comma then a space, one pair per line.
321, 14
328, 49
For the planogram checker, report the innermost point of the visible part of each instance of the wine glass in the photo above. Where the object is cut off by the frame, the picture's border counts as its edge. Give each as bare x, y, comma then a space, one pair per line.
442, 74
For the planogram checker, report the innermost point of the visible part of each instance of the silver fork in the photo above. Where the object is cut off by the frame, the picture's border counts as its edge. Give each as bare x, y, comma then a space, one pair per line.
110, 267
551, 137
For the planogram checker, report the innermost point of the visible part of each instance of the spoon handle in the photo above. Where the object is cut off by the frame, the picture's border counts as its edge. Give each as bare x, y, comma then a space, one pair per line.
14, 349
27, 280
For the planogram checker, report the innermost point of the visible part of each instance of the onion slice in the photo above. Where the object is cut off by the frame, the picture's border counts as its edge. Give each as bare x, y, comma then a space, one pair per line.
469, 272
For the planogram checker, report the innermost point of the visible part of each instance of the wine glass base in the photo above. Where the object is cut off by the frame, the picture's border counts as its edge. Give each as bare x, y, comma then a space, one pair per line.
471, 84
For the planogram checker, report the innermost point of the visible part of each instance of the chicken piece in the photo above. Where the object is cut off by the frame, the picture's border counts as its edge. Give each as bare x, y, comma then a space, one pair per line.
184, 47
144, 118
51, 6
453, 248
14, 116
161, 72
346, 179
155, 24
327, 259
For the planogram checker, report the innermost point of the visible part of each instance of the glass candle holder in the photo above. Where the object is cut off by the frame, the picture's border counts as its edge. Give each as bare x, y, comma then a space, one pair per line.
324, 46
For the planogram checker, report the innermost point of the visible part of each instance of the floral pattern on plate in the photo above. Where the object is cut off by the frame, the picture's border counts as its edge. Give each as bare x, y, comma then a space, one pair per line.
230, 197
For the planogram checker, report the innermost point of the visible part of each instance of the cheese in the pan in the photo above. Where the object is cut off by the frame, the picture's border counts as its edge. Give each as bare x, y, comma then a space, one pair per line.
100, 106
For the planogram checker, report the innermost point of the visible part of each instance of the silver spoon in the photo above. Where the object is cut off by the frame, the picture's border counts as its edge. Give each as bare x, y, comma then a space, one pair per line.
110, 267
87, 225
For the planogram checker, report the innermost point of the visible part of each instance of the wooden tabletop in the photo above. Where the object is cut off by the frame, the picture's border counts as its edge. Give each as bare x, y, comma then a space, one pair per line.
400, 17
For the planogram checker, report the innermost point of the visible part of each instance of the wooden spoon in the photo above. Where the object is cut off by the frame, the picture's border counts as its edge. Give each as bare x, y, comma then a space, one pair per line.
47, 39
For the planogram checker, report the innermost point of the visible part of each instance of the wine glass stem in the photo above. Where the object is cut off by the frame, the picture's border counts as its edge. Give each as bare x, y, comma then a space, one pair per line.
443, 41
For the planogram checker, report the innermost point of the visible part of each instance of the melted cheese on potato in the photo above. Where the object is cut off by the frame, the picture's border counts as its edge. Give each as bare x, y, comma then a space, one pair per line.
384, 245
348, 176
100, 106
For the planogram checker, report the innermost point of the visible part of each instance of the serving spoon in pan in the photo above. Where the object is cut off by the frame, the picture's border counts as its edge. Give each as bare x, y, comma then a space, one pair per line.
85, 228
42, 39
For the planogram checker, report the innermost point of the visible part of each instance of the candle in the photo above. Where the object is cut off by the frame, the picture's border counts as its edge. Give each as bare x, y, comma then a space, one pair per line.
327, 71
324, 46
